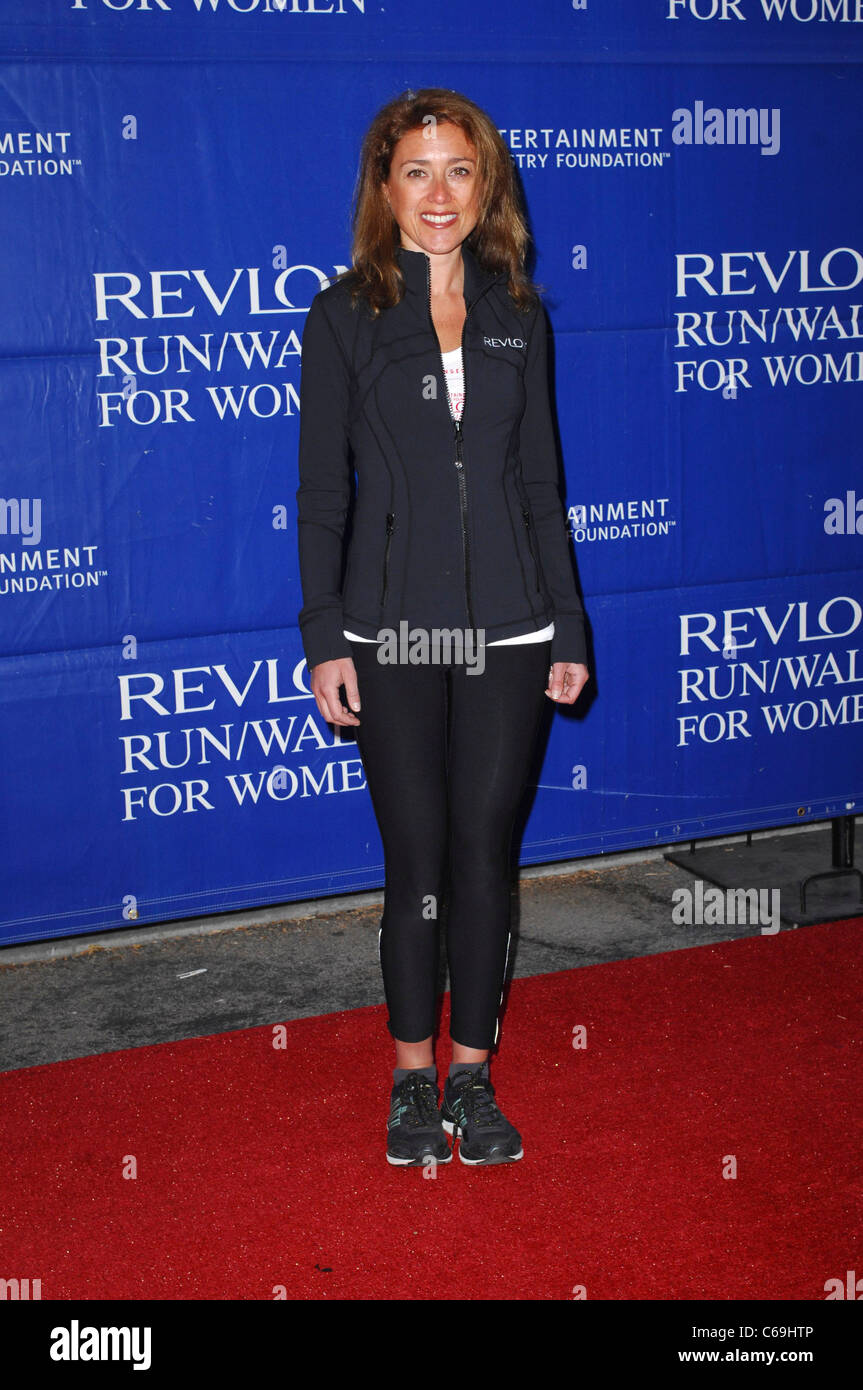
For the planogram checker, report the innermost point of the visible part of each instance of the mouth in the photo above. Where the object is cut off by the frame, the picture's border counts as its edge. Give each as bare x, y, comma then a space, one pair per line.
439, 219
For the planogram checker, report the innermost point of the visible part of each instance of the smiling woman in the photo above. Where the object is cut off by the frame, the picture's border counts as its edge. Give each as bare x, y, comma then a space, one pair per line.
433, 190
433, 194
424, 367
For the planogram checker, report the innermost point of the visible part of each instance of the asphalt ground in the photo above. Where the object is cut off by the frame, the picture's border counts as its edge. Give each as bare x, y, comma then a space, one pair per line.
81, 996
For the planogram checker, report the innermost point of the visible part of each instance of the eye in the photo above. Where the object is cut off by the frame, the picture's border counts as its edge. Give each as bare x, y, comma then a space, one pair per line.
461, 170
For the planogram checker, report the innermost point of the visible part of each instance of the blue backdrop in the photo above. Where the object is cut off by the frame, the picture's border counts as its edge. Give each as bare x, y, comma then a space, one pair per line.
175, 185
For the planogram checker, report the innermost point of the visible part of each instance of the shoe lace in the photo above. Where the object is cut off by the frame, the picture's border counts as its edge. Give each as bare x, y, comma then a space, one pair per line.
421, 1099
477, 1097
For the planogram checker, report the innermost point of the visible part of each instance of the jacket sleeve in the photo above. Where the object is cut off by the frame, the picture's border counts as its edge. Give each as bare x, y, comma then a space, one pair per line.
324, 491
538, 454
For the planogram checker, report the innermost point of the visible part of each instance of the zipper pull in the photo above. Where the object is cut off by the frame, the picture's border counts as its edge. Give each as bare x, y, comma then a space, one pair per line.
457, 428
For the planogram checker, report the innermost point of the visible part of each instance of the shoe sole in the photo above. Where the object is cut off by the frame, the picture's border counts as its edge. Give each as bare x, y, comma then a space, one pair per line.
416, 1162
477, 1162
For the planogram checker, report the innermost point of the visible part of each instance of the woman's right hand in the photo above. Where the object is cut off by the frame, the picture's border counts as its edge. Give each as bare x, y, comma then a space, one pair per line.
326, 679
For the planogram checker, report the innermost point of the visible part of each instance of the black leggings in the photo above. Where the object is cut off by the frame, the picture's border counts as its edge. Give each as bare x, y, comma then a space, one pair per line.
446, 756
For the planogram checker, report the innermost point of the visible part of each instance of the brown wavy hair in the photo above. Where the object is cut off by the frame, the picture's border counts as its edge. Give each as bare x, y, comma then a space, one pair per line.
500, 238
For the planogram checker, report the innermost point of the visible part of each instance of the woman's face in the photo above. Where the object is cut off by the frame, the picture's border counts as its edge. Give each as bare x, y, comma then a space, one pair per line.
433, 188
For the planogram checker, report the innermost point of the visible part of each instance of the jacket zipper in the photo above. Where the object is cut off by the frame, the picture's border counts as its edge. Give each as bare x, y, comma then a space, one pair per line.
391, 517
459, 460
526, 514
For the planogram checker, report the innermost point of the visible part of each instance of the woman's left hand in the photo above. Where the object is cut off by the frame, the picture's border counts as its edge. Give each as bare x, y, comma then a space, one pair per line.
566, 680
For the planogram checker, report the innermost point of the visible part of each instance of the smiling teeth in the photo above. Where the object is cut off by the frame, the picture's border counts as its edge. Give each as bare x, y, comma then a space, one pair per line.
440, 218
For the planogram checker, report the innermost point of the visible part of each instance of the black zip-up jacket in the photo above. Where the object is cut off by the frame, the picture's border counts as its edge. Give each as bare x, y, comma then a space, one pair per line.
456, 524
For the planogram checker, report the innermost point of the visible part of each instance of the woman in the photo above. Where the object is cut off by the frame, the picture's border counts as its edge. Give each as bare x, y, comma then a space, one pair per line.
425, 364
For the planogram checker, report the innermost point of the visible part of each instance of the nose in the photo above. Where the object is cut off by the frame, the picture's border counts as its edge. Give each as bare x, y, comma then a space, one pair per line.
439, 191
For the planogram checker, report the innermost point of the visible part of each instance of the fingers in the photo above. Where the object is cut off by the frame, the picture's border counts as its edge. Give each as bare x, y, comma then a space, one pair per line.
331, 707
327, 680
351, 688
566, 680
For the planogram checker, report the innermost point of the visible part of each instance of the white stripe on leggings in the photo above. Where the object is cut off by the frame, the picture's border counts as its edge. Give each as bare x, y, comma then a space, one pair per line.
503, 986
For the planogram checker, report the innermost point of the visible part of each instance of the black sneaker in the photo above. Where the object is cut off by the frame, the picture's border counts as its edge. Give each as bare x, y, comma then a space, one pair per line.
469, 1110
414, 1130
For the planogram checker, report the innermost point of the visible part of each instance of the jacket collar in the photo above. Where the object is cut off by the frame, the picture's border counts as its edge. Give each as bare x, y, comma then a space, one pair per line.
413, 266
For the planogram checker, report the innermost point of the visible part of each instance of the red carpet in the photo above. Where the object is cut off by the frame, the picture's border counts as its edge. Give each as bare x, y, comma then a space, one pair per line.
260, 1167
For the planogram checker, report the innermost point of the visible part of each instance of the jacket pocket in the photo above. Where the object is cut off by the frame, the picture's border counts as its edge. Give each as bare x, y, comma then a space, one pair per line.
391, 521
528, 526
